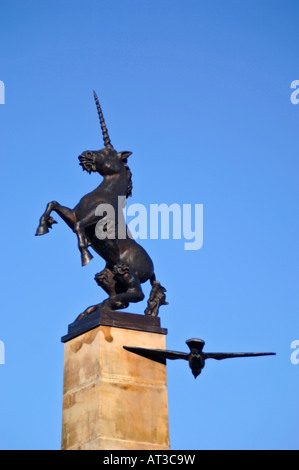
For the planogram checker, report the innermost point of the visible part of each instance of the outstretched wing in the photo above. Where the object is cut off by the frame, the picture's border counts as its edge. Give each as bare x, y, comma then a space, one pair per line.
158, 355
220, 356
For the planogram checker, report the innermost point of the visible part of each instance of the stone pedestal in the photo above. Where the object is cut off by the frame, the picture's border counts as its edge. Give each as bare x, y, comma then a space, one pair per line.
112, 398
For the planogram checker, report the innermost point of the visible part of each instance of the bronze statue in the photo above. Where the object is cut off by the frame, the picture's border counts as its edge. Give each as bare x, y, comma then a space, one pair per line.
195, 357
127, 263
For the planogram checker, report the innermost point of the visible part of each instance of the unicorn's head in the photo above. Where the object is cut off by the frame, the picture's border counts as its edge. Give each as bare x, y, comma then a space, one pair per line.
106, 161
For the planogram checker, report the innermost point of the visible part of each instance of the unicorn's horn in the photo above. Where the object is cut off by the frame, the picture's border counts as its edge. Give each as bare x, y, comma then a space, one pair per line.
103, 125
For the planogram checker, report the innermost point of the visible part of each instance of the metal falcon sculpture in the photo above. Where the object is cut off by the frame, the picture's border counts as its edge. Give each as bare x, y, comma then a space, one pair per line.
127, 263
195, 357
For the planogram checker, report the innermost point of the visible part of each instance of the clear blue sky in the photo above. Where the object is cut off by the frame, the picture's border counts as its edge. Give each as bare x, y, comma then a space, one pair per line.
199, 91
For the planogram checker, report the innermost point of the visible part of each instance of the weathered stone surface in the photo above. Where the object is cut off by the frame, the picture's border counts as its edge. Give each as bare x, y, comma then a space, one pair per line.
114, 399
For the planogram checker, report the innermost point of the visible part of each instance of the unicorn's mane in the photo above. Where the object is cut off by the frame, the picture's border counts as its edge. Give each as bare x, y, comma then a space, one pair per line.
130, 183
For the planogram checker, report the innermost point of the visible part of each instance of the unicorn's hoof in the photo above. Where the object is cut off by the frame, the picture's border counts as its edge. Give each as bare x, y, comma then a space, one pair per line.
41, 230
87, 312
86, 257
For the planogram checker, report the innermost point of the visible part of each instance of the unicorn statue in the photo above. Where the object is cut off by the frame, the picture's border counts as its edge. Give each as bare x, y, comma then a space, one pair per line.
128, 265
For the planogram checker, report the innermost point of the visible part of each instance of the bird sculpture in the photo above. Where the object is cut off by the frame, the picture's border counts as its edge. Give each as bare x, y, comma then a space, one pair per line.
196, 357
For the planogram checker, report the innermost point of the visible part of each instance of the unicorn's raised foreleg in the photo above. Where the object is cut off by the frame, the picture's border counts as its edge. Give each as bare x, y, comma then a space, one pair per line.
107, 231
70, 218
83, 242
46, 221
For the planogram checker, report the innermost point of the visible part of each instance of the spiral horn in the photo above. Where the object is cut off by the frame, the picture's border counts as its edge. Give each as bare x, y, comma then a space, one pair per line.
106, 138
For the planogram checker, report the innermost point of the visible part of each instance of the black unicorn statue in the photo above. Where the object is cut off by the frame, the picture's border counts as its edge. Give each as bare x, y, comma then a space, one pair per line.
127, 264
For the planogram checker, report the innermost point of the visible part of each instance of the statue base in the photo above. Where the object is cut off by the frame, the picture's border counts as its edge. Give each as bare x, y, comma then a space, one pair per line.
114, 399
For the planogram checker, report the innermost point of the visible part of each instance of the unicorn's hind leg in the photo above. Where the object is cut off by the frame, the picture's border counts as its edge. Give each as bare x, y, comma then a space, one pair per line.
107, 281
156, 299
131, 288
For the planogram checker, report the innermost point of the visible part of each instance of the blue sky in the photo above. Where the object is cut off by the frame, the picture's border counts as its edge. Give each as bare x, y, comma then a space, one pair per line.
199, 91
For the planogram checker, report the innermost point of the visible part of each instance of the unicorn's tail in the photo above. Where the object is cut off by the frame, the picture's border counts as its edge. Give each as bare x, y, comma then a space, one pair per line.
156, 299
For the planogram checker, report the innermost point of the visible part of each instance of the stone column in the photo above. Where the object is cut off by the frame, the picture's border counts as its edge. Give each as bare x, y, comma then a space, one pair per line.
114, 399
